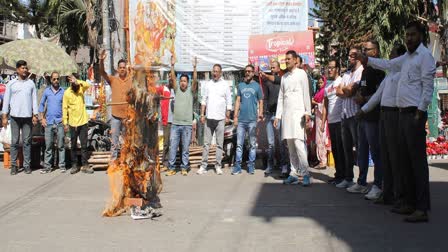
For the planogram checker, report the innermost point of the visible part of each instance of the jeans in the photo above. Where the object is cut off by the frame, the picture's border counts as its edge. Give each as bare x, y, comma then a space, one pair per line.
274, 134
117, 128
338, 150
242, 128
368, 137
166, 142
81, 132
25, 124
298, 156
349, 132
50, 131
217, 127
179, 132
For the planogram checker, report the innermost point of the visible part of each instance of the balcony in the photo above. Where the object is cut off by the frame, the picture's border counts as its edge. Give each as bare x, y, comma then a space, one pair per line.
8, 31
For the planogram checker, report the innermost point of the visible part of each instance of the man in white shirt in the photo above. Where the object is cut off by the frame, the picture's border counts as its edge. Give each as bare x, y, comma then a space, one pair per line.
332, 112
294, 110
414, 94
389, 132
349, 125
217, 100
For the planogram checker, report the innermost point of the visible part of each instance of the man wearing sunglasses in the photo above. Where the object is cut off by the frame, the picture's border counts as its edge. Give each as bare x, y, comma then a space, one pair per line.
368, 128
51, 120
248, 111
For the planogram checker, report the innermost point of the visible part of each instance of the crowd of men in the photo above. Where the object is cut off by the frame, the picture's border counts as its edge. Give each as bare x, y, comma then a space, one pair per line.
377, 106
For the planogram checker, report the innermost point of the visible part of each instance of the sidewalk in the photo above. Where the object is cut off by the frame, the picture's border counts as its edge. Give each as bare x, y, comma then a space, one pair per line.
62, 212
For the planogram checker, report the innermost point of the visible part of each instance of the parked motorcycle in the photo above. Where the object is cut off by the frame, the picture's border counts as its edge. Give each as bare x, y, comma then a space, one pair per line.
98, 136
229, 144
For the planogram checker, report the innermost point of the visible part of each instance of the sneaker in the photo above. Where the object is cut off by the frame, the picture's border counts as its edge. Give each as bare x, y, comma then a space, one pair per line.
236, 171
27, 170
306, 180
63, 169
171, 173
291, 180
374, 193
184, 172
345, 184
251, 171
87, 169
163, 169
267, 171
218, 171
334, 181
13, 171
201, 171
74, 169
45, 170
357, 188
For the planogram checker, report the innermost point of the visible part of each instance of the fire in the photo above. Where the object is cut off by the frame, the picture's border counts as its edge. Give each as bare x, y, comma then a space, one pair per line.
136, 174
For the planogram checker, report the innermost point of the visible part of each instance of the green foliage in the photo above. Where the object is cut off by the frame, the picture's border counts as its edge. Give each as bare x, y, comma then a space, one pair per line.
72, 24
349, 23
37, 13
67, 18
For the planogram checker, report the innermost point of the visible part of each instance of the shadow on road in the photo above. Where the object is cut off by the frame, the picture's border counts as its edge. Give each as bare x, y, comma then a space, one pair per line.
361, 224
443, 166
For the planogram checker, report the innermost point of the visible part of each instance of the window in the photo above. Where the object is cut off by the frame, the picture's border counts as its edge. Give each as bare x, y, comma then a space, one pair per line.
2, 25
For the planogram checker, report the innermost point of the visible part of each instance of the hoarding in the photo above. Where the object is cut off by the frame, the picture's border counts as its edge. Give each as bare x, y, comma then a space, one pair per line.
213, 31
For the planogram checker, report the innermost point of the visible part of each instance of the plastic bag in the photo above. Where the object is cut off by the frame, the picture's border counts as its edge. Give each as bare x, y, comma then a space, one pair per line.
5, 135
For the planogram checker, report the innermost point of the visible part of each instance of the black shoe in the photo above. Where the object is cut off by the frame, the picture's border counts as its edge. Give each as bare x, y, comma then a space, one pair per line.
45, 170
13, 171
417, 216
382, 201
334, 181
28, 170
284, 175
74, 169
87, 169
403, 210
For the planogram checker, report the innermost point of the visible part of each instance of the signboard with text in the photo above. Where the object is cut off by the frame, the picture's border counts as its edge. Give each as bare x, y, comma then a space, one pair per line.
212, 31
265, 48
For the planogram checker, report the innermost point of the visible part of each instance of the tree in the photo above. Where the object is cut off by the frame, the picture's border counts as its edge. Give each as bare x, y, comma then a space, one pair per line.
79, 23
349, 23
37, 13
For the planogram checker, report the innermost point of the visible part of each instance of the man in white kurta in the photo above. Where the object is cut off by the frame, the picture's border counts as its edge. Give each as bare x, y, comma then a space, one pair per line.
294, 109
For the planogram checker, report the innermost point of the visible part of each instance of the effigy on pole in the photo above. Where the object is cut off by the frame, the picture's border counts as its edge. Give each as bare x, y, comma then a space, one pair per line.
134, 177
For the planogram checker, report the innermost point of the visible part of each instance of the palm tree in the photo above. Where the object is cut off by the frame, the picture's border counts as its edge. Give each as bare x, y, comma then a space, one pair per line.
37, 13
79, 23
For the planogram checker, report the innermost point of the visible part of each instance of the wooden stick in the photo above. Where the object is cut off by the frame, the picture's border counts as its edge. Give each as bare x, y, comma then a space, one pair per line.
101, 152
100, 156
98, 161
116, 103
100, 166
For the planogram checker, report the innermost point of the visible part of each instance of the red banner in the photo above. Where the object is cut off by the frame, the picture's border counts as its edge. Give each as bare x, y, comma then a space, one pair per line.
265, 48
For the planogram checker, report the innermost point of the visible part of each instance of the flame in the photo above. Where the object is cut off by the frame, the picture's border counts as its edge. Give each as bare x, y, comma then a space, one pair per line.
137, 170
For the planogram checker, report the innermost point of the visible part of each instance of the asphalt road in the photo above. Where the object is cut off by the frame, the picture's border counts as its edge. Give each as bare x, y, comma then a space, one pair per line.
62, 212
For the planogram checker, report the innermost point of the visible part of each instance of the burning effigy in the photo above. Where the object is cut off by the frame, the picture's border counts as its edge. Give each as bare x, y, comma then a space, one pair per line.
135, 175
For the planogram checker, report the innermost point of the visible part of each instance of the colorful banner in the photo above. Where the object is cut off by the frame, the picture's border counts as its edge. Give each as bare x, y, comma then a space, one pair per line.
212, 31
152, 31
265, 48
